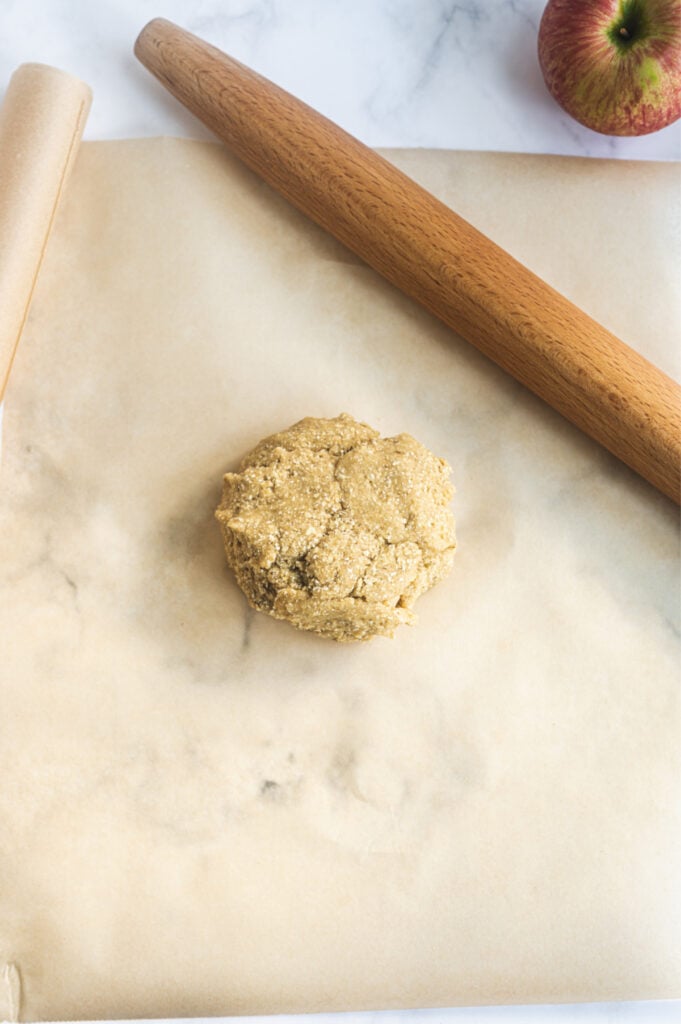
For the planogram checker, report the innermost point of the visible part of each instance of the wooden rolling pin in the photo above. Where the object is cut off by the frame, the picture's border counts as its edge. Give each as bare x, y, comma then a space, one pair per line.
416, 242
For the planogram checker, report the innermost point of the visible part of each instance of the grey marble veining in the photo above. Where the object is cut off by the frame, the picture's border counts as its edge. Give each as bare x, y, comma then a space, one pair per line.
398, 72
457, 74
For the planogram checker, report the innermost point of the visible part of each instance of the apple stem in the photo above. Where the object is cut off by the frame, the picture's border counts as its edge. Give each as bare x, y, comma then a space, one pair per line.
624, 32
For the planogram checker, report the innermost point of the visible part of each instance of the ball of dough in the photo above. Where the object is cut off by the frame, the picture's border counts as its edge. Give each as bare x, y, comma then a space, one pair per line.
338, 530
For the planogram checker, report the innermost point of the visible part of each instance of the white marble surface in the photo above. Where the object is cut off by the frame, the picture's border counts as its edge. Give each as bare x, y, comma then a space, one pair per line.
400, 73
459, 74
660, 1012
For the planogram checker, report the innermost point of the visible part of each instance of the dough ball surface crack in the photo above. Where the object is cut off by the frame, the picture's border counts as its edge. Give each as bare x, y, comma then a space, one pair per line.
337, 530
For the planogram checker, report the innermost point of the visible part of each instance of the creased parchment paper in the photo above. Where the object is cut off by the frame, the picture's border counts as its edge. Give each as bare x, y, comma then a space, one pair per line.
203, 811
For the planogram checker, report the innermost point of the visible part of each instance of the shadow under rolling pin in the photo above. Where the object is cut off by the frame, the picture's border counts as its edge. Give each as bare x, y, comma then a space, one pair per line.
596, 381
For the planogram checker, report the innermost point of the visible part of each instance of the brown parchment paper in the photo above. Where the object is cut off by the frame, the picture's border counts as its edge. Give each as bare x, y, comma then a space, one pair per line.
42, 117
203, 811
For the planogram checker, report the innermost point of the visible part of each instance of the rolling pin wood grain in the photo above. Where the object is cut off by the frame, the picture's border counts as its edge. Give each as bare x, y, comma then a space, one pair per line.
430, 253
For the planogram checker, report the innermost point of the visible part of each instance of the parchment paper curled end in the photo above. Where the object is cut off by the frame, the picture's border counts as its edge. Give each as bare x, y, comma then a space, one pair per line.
41, 123
204, 811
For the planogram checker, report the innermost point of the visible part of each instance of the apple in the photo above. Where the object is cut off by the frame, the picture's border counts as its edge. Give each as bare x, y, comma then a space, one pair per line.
614, 65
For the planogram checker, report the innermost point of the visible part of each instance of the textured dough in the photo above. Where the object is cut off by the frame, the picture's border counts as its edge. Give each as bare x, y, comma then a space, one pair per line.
338, 530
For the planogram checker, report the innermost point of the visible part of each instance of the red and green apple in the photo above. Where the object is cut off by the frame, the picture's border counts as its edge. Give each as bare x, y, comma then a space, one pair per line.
614, 65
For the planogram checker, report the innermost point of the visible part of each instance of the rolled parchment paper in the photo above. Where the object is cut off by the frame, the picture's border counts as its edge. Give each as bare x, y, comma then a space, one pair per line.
41, 124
